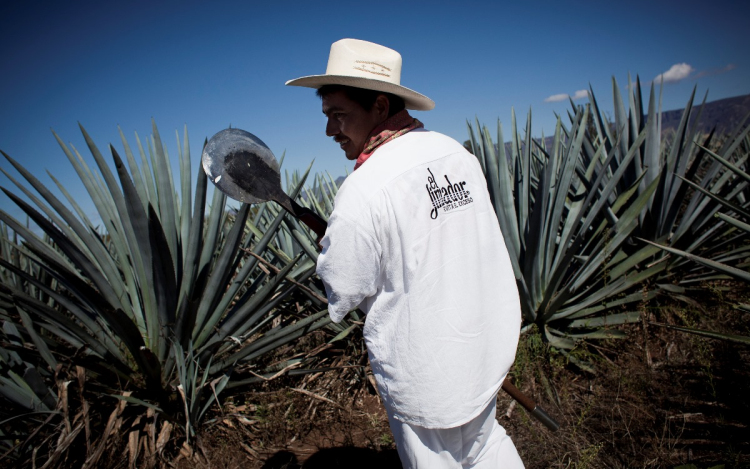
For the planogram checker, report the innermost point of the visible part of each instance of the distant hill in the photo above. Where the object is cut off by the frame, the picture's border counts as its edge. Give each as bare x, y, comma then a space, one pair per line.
724, 114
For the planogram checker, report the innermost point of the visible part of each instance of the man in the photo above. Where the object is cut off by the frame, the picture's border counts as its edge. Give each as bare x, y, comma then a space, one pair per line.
414, 242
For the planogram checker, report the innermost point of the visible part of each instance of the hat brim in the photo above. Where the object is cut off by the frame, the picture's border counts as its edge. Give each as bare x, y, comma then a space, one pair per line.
412, 99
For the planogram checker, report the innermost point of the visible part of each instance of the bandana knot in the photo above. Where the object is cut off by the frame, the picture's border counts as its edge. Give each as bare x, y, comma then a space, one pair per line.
393, 127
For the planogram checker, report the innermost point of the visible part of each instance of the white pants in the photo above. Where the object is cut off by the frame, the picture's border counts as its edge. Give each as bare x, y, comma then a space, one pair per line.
479, 444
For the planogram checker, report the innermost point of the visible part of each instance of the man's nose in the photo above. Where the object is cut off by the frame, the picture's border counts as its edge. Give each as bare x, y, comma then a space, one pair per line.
332, 128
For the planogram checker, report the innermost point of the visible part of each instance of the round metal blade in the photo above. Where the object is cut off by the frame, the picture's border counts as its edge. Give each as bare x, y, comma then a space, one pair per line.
242, 166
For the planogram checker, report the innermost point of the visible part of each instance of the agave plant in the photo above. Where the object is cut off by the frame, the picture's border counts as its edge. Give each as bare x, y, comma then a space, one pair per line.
684, 217
171, 297
730, 257
673, 160
24, 384
570, 208
566, 227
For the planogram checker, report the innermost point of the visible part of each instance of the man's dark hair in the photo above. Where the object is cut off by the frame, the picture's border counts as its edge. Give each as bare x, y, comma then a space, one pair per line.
363, 97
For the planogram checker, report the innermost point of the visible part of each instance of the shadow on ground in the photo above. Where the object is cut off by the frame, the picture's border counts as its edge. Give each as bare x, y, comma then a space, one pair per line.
335, 458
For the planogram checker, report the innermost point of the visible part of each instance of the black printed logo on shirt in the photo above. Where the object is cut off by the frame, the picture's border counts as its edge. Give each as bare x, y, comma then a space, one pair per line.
446, 198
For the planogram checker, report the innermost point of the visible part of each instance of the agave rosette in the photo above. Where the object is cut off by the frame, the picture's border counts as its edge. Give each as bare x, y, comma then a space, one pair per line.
171, 285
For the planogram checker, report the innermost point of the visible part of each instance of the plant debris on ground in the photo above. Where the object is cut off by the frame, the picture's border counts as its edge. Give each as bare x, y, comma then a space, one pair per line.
659, 399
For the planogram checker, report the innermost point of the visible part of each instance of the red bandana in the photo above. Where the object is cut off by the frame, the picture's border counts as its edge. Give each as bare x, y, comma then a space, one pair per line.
395, 126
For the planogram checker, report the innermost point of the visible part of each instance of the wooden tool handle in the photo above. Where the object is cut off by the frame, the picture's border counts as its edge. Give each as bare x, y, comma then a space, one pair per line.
309, 218
530, 405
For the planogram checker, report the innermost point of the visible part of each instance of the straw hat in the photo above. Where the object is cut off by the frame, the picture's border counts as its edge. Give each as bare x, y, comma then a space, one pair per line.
367, 65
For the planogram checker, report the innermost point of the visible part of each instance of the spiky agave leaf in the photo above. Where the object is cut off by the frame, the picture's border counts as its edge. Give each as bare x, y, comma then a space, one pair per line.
741, 339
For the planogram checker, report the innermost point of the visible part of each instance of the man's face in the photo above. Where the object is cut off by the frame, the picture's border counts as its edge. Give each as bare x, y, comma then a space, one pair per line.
348, 122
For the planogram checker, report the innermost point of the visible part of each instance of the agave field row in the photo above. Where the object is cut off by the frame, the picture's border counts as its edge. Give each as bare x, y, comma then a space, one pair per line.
606, 215
174, 300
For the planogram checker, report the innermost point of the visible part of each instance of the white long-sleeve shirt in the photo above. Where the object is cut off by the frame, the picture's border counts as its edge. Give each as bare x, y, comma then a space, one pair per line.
414, 242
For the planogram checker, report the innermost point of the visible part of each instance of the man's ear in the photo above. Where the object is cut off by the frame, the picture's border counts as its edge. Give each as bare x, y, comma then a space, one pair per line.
382, 106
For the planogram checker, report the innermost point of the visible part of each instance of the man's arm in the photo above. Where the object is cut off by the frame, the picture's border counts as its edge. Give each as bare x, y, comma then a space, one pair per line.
349, 265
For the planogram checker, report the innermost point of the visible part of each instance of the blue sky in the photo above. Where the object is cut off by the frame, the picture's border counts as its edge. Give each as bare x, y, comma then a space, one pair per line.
210, 64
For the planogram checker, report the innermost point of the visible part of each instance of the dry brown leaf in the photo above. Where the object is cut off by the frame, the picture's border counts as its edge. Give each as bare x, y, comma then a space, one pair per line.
113, 423
320, 348
510, 409
319, 397
164, 434
63, 402
202, 449
81, 373
186, 451
133, 440
150, 447
250, 451
63, 443
246, 421
281, 372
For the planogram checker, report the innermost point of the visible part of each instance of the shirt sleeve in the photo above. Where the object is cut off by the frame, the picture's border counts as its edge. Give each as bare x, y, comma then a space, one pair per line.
349, 265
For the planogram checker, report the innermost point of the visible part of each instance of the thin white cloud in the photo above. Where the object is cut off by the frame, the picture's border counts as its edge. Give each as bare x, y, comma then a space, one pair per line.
676, 72
557, 98
580, 94
707, 73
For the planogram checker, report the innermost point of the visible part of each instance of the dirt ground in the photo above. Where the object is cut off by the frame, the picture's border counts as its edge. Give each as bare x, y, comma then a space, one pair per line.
660, 398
